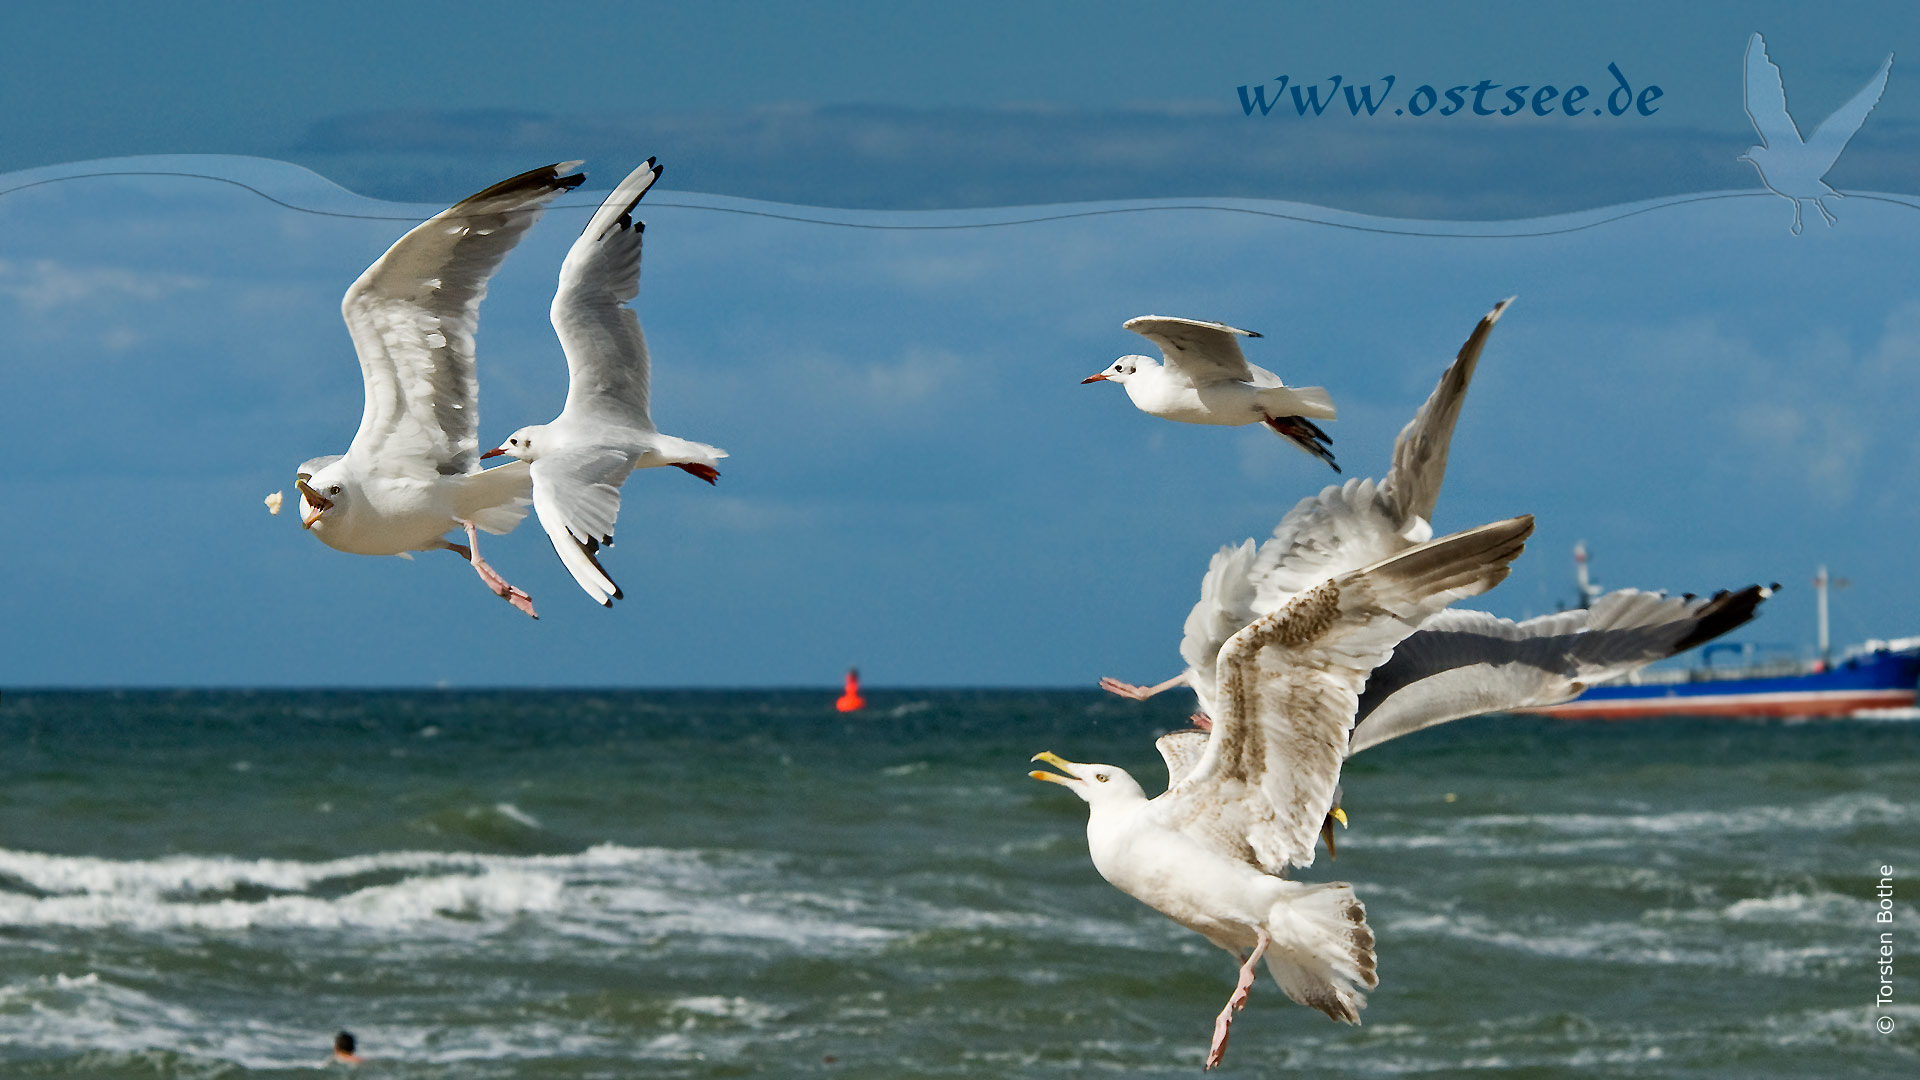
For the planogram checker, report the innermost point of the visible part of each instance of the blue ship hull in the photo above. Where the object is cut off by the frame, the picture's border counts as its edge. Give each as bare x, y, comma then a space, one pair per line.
1875, 679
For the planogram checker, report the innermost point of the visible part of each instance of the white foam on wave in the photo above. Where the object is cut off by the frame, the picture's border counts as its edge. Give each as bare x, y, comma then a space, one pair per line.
1654, 944
1576, 833
606, 894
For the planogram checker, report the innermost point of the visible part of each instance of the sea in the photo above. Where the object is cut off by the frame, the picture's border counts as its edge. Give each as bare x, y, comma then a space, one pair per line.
749, 884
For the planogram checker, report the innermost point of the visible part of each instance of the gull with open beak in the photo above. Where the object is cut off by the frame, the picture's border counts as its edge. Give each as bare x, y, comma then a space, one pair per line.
1210, 852
605, 431
1461, 663
412, 472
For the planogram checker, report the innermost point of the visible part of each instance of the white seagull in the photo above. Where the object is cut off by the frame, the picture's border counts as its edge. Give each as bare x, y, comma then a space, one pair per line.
1210, 851
1790, 166
1461, 663
1207, 380
412, 472
604, 432
1490, 664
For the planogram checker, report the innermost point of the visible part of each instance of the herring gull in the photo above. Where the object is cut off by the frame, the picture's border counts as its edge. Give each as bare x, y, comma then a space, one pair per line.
1211, 850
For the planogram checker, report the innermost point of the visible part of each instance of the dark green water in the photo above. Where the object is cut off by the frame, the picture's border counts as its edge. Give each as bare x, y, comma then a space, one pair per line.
714, 885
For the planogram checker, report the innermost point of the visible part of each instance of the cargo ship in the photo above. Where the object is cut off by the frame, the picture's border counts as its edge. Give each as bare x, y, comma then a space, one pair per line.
1875, 677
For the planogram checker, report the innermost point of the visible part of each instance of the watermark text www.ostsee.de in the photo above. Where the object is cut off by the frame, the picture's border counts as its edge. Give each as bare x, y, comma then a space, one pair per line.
1883, 954
1283, 95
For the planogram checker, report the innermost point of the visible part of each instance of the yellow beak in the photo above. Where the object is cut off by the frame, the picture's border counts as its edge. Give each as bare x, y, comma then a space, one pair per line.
1057, 762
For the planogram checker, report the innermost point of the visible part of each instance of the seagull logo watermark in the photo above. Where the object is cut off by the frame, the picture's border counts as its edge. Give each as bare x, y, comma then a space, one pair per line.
1790, 166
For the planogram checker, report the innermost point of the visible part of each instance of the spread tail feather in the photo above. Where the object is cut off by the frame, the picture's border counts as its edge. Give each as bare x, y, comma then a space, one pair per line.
1322, 951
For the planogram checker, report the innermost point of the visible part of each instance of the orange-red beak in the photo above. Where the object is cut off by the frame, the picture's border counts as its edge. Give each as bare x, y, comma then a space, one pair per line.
1102, 377
495, 452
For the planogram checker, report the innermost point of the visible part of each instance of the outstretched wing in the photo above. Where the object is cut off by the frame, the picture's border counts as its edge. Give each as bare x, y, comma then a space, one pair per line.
1465, 663
1290, 687
1225, 605
1832, 135
577, 495
1766, 99
1419, 464
412, 316
1201, 352
607, 363
1347, 527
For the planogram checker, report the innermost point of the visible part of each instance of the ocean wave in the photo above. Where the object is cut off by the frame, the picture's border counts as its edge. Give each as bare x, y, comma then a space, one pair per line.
608, 894
1585, 832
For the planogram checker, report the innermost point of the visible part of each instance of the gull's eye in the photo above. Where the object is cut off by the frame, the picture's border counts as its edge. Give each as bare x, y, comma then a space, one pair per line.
334, 490
1100, 776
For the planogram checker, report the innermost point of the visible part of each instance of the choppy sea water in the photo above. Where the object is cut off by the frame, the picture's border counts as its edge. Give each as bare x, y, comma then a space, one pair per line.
748, 884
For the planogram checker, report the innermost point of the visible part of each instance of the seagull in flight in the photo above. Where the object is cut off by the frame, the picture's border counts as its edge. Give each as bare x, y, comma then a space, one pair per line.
412, 473
1790, 166
1212, 850
604, 432
1207, 380
1461, 662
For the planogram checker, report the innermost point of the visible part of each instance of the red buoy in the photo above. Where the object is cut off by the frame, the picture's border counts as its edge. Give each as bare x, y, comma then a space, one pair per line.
851, 700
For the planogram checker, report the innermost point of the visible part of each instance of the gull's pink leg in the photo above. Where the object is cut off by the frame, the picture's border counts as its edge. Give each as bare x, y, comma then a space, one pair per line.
494, 581
1141, 693
1237, 1002
1201, 720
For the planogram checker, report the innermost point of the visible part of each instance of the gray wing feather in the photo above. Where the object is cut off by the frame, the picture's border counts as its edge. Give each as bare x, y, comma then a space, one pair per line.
1290, 686
608, 368
1466, 663
1225, 605
1204, 352
1420, 453
412, 316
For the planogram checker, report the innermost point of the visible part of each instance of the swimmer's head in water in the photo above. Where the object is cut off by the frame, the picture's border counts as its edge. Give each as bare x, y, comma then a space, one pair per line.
343, 1046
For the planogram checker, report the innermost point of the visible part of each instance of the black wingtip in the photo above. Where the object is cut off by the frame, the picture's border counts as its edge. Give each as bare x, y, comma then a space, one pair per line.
1725, 611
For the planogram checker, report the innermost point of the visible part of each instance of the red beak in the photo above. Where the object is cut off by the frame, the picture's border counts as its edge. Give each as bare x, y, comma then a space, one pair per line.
1102, 377
495, 452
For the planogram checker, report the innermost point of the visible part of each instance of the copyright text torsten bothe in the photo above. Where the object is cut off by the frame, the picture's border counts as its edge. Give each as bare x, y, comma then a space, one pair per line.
1883, 957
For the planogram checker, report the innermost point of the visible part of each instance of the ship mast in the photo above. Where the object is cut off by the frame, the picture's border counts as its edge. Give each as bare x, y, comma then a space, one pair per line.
1588, 590
1820, 585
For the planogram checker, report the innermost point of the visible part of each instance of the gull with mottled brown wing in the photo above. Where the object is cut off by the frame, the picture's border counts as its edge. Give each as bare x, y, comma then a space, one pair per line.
1210, 851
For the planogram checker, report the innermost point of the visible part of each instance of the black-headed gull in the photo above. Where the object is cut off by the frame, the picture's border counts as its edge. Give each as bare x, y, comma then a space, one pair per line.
1207, 380
605, 431
1792, 167
1210, 851
412, 472
1461, 663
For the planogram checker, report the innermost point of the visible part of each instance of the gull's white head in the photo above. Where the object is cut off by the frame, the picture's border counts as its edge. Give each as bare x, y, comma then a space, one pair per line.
1122, 370
524, 444
1099, 785
325, 492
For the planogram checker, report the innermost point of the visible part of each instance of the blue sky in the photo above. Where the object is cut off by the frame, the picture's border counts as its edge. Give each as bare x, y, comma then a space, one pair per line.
918, 483
923, 105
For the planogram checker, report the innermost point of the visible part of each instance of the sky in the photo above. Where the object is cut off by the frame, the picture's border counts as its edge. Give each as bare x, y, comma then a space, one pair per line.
918, 483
